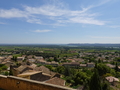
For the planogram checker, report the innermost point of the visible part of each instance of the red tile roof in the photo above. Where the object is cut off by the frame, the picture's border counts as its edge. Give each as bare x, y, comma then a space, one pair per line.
56, 81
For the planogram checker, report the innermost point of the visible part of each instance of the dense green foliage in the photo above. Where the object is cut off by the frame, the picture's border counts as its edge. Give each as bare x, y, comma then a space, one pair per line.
95, 82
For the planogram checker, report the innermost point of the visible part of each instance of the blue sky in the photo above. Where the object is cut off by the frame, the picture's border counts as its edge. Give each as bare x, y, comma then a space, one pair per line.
59, 21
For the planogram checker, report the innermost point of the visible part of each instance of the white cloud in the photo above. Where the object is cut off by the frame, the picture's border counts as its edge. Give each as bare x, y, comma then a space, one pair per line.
51, 10
87, 21
104, 2
66, 16
115, 26
47, 10
12, 13
63, 15
39, 31
55, 14
34, 20
98, 3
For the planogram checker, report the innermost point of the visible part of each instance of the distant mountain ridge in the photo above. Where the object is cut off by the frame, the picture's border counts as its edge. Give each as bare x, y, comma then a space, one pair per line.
95, 44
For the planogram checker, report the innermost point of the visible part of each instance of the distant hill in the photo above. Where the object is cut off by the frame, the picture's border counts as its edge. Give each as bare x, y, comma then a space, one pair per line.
94, 45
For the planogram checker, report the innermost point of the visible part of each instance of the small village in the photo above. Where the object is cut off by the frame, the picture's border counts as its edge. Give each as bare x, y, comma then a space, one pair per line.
61, 69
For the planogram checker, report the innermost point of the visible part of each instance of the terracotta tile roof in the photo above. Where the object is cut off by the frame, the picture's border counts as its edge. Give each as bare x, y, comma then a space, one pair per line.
28, 73
110, 65
83, 65
43, 69
20, 68
33, 66
112, 79
52, 73
40, 76
23, 67
56, 81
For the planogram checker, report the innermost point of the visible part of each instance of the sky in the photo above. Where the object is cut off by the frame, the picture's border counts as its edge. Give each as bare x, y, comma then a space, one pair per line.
59, 21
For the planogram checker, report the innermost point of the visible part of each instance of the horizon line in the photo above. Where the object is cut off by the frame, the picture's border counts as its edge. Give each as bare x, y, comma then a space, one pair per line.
51, 43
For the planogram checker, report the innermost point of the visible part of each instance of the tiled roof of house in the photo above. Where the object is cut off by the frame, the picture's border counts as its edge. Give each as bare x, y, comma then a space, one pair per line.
23, 67
20, 68
20, 58
90, 63
83, 65
30, 56
71, 63
33, 66
44, 69
2, 58
28, 73
56, 81
110, 65
112, 79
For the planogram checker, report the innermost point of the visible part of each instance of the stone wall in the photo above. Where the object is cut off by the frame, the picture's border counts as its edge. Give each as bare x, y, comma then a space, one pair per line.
16, 83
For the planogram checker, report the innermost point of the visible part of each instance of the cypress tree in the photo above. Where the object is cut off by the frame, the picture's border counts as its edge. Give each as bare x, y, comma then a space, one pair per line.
95, 83
116, 67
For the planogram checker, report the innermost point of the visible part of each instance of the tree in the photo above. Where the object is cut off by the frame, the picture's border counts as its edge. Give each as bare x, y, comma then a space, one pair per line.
10, 73
67, 71
80, 78
105, 86
49, 67
102, 69
117, 59
96, 65
55, 59
14, 58
4, 67
99, 61
6, 73
60, 69
95, 83
116, 67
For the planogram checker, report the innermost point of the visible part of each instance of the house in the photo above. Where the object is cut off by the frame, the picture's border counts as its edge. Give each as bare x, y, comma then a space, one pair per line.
91, 65
48, 63
42, 74
35, 75
7, 59
47, 71
31, 60
39, 57
27, 74
24, 56
7, 63
43, 69
56, 81
83, 65
10, 57
21, 69
110, 65
53, 63
79, 60
72, 64
114, 81
33, 66
20, 58
2, 58
41, 61
30, 57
